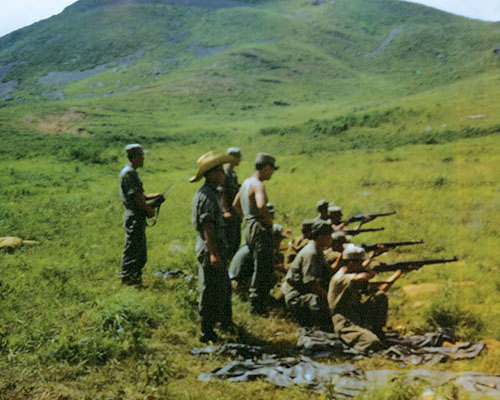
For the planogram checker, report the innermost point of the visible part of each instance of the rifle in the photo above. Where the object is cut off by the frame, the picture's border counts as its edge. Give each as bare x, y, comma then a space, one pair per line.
362, 217
354, 232
156, 203
388, 245
405, 265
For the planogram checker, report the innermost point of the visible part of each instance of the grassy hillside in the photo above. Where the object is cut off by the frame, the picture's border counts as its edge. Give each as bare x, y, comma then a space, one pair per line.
376, 105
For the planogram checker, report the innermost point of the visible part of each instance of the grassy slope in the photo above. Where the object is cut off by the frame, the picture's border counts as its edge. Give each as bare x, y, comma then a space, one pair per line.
67, 328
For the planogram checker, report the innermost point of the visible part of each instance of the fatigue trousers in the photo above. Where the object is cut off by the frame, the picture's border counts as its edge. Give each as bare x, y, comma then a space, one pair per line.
215, 294
260, 242
310, 310
135, 252
362, 328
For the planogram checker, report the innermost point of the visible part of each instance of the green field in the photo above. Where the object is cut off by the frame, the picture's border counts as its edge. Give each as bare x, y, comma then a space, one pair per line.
404, 129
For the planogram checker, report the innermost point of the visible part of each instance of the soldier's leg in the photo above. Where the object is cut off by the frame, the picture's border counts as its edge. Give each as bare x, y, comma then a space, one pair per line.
354, 335
135, 251
233, 233
312, 310
225, 314
375, 312
263, 274
208, 305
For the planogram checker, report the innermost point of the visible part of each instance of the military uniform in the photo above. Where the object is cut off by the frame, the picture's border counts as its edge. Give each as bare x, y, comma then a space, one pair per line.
241, 267
134, 221
294, 248
215, 287
230, 189
259, 238
308, 266
357, 322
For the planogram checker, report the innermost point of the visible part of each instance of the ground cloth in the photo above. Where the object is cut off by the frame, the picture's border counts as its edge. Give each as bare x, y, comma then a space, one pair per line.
296, 366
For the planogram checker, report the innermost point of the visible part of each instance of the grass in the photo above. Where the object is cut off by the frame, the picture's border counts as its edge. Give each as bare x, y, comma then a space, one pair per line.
370, 134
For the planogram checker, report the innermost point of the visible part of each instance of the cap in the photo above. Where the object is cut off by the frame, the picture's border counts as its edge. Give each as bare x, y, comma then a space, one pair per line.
234, 151
321, 227
307, 225
332, 209
266, 159
270, 207
339, 236
353, 252
133, 149
321, 203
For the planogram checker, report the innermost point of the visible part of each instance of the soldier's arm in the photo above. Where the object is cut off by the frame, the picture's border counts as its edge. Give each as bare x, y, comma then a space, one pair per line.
261, 201
237, 204
152, 196
208, 231
140, 201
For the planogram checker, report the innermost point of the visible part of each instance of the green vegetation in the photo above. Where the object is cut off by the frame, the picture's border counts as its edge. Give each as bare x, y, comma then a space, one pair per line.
413, 128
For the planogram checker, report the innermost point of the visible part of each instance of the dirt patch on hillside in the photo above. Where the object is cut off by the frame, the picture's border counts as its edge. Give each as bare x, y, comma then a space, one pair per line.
57, 123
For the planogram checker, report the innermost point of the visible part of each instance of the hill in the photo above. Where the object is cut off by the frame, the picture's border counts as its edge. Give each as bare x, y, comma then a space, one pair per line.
375, 105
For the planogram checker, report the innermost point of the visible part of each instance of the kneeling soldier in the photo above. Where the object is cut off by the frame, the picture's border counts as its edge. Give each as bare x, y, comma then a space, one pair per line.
358, 321
306, 282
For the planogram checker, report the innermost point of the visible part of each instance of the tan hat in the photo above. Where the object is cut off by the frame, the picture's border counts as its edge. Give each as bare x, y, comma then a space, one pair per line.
208, 161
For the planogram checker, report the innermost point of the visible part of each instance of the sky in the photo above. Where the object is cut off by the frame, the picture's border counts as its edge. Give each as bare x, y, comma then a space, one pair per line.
15, 14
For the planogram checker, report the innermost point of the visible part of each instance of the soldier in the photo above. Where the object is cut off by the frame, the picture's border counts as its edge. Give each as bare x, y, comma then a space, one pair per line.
306, 282
358, 322
230, 189
333, 255
322, 207
252, 200
134, 218
242, 265
298, 243
211, 247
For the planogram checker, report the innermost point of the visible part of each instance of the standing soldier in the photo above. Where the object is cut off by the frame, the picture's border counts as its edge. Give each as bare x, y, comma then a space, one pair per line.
211, 247
230, 189
134, 218
252, 200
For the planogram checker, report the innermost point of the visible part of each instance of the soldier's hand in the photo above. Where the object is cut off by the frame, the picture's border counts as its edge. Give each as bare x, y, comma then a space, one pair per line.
150, 212
227, 215
215, 261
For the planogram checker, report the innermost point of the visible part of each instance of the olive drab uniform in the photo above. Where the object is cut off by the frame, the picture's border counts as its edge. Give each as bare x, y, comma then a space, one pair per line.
215, 287
294, 248
308, 266
134, 221
241, 267
230, 189
357, 322
259, 238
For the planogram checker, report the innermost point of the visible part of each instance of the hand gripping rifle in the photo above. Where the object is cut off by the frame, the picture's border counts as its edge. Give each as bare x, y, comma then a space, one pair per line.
363, 217
157, 202
389, 245
405, 265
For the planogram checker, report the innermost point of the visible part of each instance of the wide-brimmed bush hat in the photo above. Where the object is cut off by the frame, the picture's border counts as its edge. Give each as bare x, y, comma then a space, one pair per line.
208, 161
